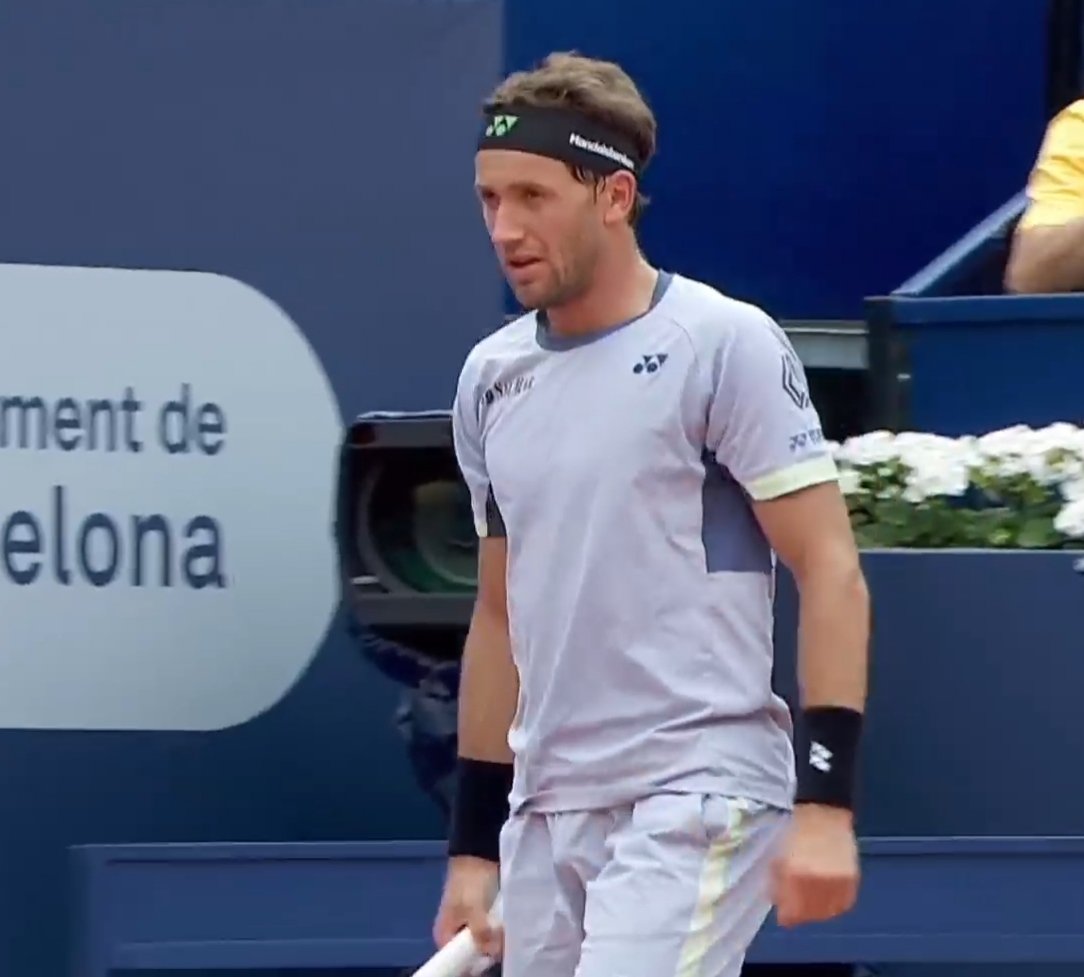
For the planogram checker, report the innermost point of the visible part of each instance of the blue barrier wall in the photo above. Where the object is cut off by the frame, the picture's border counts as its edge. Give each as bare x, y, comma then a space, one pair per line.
976, 671
979, 364
813, 153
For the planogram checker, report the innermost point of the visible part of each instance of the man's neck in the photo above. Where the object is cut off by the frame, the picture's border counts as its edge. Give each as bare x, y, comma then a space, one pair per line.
622, 290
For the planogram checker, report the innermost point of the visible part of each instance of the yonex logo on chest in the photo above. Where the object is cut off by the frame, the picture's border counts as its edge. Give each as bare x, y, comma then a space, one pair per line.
507, 388
651, 363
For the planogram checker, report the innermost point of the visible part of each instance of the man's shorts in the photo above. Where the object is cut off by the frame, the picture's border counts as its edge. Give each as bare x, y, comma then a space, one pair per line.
675, 885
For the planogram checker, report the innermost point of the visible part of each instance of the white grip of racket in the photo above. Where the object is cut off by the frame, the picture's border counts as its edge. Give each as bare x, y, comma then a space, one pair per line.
459, 957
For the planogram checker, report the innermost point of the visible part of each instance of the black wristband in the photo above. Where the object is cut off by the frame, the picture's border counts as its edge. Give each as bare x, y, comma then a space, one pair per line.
826, 754
480, 808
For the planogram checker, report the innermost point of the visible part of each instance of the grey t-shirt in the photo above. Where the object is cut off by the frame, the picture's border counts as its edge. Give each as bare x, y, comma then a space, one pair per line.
620, 468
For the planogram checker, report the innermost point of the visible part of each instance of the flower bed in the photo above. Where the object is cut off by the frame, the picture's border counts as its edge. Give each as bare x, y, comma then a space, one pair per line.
1015, 488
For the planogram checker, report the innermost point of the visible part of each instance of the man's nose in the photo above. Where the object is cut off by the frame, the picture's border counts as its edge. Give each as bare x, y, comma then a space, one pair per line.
505, 229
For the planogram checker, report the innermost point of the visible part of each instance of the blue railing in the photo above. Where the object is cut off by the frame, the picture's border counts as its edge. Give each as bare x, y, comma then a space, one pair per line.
974, 264
329, 906
950, 352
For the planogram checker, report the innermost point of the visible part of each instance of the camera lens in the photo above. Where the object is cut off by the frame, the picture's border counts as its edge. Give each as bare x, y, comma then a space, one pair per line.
415, 526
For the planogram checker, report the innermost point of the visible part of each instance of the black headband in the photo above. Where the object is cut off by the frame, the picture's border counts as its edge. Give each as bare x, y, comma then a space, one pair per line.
561, 134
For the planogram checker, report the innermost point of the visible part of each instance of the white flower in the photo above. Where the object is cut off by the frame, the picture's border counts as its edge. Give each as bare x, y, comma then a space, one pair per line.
874, 448
1070, 521
1007, 466
934, 475
1008, 441
1061, 436
933, 451
935, 465
850, 481
1056, 453
1042, 470
1048, 456
968, 448
1073, 490
1066, 470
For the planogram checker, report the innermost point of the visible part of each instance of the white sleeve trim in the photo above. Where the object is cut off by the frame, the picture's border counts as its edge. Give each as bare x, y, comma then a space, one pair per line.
814, 471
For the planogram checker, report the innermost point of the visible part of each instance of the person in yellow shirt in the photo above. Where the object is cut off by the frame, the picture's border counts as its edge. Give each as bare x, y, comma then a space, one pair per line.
1048, 246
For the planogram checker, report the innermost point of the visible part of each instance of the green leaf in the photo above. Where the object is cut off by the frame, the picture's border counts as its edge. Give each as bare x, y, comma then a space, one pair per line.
1037, 533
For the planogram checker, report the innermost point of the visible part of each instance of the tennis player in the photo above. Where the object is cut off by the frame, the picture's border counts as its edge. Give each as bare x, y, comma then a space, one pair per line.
638, 449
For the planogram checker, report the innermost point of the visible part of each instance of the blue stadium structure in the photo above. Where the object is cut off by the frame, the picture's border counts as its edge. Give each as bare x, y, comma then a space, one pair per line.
232, 226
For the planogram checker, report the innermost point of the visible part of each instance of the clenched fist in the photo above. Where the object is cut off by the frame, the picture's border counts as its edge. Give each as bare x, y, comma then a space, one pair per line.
816, 875
469, 891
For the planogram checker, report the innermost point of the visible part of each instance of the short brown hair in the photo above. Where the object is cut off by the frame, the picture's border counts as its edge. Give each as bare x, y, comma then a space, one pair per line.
601, 90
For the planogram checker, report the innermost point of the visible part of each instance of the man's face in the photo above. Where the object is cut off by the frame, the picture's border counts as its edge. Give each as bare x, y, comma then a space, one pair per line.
546, 226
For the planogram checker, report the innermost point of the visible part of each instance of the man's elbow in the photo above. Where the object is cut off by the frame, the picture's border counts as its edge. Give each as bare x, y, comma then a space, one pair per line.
1046, 260
1025, 273
856, 589
837, 569
848, 582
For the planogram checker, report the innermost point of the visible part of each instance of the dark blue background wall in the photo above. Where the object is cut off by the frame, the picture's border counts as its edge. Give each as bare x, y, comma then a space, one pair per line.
813, 153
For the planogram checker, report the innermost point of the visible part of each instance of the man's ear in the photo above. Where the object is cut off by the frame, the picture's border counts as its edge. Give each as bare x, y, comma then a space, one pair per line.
619, 194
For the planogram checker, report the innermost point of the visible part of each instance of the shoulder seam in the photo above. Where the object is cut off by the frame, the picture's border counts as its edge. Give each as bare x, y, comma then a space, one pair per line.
684, 330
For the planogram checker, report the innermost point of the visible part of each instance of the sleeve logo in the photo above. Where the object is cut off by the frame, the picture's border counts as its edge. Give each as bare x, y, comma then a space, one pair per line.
794, 384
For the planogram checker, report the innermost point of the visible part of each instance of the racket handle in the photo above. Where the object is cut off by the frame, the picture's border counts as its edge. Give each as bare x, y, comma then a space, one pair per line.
459, 957
454, 959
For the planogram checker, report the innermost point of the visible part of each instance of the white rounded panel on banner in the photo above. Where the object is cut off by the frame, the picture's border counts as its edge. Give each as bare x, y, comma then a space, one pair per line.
168, 453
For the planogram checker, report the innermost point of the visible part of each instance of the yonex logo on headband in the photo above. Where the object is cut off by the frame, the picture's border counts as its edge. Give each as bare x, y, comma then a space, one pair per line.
502, 125
575, 139
560, 133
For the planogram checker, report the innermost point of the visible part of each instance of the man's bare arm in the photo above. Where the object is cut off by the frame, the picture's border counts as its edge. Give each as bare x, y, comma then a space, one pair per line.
811, 532
1047, 260
489, 684
818, 873
488, 691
